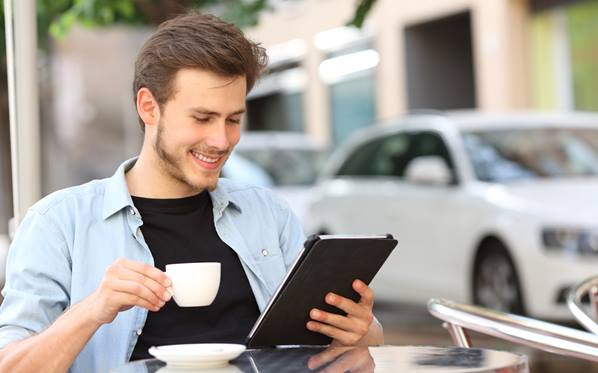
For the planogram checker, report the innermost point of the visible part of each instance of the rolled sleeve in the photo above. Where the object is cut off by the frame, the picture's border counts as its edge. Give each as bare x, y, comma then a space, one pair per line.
38, 279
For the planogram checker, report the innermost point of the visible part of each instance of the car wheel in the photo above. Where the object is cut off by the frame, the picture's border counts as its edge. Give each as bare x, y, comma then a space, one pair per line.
496, 284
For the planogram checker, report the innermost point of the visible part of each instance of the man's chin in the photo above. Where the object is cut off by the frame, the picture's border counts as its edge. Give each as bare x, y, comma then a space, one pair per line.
211, 187
210, 184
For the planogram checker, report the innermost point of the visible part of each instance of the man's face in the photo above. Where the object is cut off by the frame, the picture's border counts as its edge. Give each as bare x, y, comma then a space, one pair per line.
199, 127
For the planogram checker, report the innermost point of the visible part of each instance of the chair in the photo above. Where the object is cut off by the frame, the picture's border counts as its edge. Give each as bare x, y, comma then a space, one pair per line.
458, 318
574, 302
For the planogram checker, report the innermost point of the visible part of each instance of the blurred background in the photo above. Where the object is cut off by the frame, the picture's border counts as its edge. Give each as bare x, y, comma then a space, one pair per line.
463, 127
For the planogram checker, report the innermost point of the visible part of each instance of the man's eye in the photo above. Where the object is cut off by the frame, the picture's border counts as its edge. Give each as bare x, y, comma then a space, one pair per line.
202, 119
234, 120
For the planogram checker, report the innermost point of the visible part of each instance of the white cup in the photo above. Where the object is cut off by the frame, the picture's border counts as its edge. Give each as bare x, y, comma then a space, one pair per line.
194, 284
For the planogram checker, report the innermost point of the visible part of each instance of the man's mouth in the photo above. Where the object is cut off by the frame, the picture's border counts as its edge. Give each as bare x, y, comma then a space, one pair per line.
206, 161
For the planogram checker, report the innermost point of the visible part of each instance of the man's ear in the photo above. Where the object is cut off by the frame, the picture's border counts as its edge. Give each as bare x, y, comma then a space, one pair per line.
147, 107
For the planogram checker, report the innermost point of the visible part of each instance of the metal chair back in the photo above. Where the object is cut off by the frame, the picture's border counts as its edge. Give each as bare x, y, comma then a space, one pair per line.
458, 318
574, 302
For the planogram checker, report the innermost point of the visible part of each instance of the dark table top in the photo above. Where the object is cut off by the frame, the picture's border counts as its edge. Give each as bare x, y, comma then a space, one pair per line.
356, 359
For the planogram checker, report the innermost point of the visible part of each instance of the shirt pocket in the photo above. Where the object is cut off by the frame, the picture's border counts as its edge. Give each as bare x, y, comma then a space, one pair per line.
270, 263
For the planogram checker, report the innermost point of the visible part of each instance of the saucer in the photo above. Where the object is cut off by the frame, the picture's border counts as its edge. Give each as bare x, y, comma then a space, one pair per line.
200, 355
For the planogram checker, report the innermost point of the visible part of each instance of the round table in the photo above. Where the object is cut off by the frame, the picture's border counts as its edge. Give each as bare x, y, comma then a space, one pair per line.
356, 359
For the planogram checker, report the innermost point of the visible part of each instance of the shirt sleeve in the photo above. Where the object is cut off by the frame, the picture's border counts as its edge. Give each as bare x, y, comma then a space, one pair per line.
38, 276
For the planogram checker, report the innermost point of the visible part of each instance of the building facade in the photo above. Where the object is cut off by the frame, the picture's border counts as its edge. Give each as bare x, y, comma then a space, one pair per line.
490, 55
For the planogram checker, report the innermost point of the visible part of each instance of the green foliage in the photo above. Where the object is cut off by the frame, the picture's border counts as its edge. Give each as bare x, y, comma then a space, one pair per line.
89, 13
56, 17
361, 11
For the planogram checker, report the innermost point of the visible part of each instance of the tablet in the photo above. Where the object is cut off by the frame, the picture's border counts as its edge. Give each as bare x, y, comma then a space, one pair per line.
326, 264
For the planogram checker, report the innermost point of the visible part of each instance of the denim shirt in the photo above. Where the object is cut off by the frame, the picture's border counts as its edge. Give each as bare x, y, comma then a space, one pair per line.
68, 239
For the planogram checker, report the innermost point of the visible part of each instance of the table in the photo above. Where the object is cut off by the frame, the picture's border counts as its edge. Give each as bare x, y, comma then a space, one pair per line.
384, 359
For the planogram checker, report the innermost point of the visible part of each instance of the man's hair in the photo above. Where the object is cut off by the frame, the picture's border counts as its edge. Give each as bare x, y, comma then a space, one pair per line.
195, 40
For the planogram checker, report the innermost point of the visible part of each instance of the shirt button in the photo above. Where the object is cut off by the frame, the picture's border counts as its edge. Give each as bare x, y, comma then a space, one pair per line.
132, 211
138, 331
265, 252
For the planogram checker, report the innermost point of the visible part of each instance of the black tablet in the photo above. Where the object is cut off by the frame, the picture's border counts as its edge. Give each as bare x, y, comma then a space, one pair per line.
326, 264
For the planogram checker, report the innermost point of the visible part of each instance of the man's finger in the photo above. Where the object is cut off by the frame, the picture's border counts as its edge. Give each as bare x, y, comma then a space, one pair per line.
127, 300
138, 290
146, 270
344, 337
353, 325
158, 289
366, 293
351, 308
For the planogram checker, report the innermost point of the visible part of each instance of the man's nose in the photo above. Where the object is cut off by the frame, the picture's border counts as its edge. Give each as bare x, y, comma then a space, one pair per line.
218, 137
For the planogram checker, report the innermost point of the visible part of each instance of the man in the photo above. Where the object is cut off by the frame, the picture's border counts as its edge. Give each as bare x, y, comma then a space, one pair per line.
85, 288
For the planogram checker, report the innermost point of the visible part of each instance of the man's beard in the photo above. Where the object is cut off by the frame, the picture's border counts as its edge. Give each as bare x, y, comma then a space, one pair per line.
172, 165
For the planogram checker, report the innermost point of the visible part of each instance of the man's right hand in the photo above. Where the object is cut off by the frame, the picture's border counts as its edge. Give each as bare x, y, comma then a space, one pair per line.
127, 284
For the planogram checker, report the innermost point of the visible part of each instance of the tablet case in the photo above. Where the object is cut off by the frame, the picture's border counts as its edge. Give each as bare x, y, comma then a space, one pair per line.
326, 264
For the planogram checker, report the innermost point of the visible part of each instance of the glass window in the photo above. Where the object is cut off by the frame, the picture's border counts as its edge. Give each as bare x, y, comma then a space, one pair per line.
511, 155
352, 106
391, 155
276, 112
425, 144
378, 157
349, 73
276, 103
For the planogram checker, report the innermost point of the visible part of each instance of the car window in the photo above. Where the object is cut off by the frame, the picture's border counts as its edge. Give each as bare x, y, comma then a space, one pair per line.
390, 156
378, 157
424, 144
522, 154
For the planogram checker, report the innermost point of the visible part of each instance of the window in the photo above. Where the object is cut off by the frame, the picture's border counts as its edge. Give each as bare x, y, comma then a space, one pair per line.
425, 144
391, 155
524, 154
276, 102
378, 157
349, 73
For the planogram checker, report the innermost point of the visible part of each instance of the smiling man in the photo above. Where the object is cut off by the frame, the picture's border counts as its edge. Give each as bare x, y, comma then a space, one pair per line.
86, 289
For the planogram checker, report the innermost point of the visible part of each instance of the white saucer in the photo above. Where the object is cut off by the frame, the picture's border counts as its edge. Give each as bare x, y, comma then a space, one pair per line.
201, 355
225, 369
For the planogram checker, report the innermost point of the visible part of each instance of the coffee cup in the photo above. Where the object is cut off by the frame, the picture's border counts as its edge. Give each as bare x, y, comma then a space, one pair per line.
194, 284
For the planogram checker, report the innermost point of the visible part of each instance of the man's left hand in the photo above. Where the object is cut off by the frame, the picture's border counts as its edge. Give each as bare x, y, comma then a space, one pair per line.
345, 330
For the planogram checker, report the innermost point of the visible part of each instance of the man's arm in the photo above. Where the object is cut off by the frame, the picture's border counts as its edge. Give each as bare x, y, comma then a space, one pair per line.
126, 284
53, 350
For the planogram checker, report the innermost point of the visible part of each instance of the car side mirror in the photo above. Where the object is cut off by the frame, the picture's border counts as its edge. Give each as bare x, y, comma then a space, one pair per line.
431, 170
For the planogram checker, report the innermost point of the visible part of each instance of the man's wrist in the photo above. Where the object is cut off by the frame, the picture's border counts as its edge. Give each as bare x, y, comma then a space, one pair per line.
84, 312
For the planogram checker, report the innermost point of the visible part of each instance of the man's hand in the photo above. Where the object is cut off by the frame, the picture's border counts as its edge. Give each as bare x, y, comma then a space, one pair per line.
346, 330
127, 284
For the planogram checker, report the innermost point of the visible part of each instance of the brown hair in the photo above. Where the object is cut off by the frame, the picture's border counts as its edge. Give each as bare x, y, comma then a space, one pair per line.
195, 40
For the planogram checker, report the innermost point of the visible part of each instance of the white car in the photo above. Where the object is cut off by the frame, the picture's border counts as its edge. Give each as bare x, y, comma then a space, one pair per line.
500, 210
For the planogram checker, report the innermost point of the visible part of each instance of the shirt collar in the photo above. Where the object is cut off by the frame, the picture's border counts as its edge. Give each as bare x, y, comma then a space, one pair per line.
117, 197
116, 194
221, 198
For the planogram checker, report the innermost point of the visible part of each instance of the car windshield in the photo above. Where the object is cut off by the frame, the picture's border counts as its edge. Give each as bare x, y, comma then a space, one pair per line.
521, 154
287, 166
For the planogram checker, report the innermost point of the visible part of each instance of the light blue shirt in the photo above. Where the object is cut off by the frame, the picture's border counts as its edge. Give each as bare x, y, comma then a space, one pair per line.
67, 239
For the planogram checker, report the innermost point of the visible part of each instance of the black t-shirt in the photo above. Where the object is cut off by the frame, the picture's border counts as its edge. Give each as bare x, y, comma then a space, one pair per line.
180, 231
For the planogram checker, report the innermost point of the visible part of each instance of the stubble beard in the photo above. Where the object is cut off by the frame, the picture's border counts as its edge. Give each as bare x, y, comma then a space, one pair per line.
172, 165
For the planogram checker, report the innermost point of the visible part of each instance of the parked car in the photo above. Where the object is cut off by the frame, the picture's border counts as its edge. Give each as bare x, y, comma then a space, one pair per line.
500, 210
286, 162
